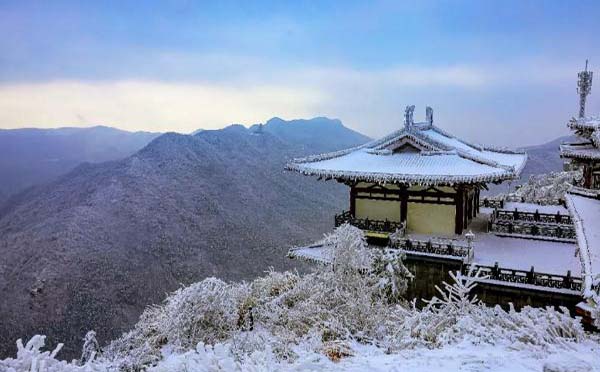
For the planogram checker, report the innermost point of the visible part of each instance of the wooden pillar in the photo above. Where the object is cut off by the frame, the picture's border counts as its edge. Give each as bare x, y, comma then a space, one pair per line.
465, 211
403, 203
469, 206
587, 176
472, 204
477, 201
460, 209
352, 201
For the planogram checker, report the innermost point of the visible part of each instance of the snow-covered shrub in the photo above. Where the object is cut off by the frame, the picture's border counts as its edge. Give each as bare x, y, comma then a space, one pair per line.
349, 250
90, 348
30, 357
207, 311
392, 276
544, 188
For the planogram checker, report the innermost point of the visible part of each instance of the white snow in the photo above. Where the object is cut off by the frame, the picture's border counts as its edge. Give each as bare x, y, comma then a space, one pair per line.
361, 161
465, 356
508, 159
586, 211
532, 207
521, 254
446, 160
317, 253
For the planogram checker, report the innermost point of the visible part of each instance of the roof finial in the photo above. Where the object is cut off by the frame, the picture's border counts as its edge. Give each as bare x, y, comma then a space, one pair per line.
429, 115
408, 116
584, 87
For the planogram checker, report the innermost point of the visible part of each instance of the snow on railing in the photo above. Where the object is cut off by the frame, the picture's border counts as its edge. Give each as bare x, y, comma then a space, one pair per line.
530, 277
448, 248
525, 216
533, 230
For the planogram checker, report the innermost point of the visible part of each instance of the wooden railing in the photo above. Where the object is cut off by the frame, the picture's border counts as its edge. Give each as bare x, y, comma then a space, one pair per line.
441, 248
367, 224
527, 277
537, 230
516, 215
499, 203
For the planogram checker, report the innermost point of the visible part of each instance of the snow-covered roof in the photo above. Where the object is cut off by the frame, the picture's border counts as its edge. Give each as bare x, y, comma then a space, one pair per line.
419, 153
587, 128
584, 206
584, 150
591, 122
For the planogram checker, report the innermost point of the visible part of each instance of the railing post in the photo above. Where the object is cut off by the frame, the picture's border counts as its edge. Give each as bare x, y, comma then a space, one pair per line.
495, 271
531, 276
567, 280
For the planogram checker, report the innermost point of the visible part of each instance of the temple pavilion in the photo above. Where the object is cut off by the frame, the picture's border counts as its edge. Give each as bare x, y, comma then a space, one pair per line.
419, 177
583, 200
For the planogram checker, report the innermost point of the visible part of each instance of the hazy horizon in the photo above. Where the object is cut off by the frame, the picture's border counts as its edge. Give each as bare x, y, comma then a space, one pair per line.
502, 73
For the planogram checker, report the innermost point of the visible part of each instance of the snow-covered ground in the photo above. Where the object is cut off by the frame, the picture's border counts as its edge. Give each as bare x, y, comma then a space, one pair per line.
464, 356
513, 253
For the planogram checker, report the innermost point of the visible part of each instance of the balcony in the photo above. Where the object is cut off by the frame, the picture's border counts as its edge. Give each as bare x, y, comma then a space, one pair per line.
376, 226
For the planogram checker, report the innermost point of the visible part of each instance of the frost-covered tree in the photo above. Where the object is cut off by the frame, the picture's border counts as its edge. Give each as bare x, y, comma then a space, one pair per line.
348, 249
391, 274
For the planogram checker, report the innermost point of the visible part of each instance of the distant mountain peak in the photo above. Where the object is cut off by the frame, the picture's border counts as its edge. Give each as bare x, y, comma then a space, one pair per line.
320, 120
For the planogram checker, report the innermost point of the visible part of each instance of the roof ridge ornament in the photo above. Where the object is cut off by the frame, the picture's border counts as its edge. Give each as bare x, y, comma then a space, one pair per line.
584, 87
429, 115
408, 116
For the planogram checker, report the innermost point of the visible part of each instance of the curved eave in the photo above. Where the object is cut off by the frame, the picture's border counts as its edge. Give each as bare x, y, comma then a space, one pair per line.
582, 243
589, 123
573, 155
581, 154
403, 178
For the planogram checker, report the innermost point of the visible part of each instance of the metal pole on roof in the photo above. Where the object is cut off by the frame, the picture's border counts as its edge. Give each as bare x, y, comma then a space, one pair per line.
584, 87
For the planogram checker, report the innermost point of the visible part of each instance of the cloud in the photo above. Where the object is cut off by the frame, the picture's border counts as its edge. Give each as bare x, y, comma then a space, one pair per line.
515, 103
148, 105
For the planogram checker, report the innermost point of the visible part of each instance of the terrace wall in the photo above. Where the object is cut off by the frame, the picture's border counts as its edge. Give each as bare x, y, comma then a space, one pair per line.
430, 272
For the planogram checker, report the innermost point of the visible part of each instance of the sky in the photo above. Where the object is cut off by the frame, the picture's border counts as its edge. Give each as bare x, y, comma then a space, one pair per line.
497, 72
